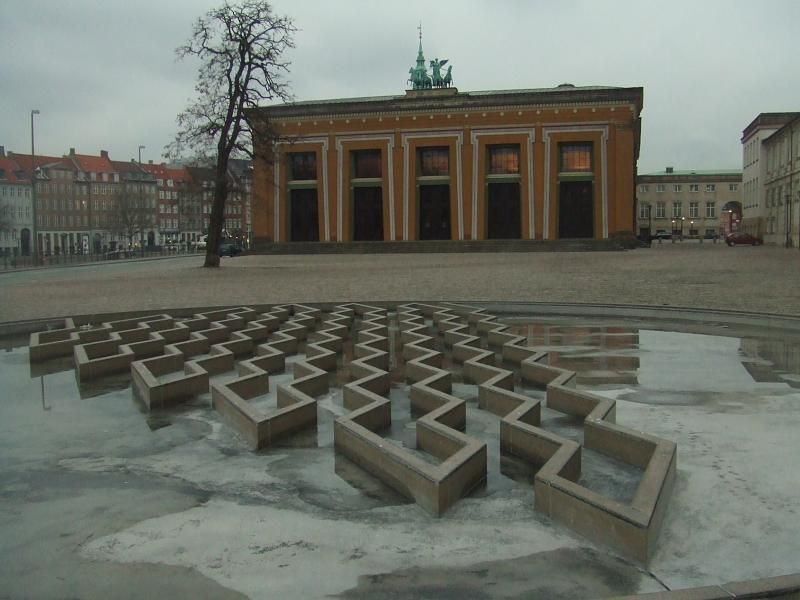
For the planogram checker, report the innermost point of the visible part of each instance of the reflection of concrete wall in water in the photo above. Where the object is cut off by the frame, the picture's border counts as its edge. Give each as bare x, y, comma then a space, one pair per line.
588, 357
780, 355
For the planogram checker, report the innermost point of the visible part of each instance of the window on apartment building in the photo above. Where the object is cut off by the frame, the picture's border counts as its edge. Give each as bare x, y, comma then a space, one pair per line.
694, 187
661, 210
694, 211
711, 210
643, 189
677, 209
575, 158
710, 187
660, 187
732, 187
644, 211
677, 187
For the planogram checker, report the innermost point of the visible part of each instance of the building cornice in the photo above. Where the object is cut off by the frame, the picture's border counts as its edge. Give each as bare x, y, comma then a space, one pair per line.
457, 103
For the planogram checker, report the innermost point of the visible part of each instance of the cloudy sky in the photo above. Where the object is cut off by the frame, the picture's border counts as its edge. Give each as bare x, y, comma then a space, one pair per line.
104, 74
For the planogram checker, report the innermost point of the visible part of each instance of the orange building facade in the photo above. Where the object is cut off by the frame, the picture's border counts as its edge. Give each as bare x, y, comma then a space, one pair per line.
545, 164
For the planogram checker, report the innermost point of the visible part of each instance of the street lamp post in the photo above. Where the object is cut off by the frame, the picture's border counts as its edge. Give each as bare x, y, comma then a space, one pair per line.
140, 212
35, 241
788, 221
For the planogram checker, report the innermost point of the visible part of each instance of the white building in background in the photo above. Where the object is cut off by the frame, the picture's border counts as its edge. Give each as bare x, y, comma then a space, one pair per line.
782, 185
755, 213
690, 204
16, 213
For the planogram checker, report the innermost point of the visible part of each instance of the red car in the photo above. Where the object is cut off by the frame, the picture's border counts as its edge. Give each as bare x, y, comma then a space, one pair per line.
732, 239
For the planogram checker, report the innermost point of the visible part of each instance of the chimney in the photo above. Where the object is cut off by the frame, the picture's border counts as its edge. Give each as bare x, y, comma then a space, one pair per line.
104, 153
670, 169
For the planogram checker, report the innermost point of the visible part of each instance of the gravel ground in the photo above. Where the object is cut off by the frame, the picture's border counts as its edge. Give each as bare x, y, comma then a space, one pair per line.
763, 279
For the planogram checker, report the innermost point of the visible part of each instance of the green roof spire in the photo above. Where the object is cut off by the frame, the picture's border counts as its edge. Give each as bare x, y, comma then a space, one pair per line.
420, 55
418, 76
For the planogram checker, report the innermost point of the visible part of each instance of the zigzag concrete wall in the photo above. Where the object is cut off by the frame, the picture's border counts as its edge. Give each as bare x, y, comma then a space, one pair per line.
171, 360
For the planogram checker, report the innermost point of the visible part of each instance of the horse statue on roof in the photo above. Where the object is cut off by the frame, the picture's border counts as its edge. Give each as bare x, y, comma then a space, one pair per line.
419, 79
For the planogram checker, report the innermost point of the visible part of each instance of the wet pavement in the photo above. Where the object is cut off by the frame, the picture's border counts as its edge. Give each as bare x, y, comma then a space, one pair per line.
100, 499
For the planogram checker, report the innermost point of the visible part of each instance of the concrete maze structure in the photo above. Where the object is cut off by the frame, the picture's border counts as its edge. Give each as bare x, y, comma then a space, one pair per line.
172, 359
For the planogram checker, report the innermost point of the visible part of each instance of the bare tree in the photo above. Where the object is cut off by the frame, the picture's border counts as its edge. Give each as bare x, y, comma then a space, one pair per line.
130, 216
241, 48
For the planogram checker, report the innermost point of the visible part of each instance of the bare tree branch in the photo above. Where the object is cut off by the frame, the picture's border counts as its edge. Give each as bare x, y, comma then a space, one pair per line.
240, 46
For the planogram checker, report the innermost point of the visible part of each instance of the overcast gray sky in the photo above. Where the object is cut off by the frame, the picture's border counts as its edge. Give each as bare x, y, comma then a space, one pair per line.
104, 74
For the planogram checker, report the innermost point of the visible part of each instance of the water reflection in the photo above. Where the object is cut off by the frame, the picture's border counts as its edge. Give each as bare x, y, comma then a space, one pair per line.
651, 358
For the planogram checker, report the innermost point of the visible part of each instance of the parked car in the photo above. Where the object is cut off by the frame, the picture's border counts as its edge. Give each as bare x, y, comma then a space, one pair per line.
662, 234
228, 249
737, 238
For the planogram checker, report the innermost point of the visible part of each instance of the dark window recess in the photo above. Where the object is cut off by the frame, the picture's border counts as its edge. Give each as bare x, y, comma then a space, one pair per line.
367, 164
575, 210
303, 216
367, 214
503, 218
434, 212
576, 158
434, 162
504, 160
302, 166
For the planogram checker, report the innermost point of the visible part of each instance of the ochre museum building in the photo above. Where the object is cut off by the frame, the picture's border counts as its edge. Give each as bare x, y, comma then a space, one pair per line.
439, 164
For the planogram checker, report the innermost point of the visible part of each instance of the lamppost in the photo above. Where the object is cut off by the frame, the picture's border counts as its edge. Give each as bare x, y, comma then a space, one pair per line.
788, 221
691, 228
140, 212
35, 249
673, 231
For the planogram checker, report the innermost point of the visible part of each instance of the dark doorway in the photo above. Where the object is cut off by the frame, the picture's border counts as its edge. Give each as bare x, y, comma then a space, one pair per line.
303, 216
367, 214
97, 243
151, 238
503, 220
25, 242
434, 212
575, 210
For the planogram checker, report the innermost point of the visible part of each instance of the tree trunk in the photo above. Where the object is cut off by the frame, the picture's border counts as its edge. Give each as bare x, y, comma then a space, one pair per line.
217, 212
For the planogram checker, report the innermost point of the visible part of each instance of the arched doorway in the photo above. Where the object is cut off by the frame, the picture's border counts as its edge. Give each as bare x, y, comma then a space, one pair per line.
25, 242
730, 217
